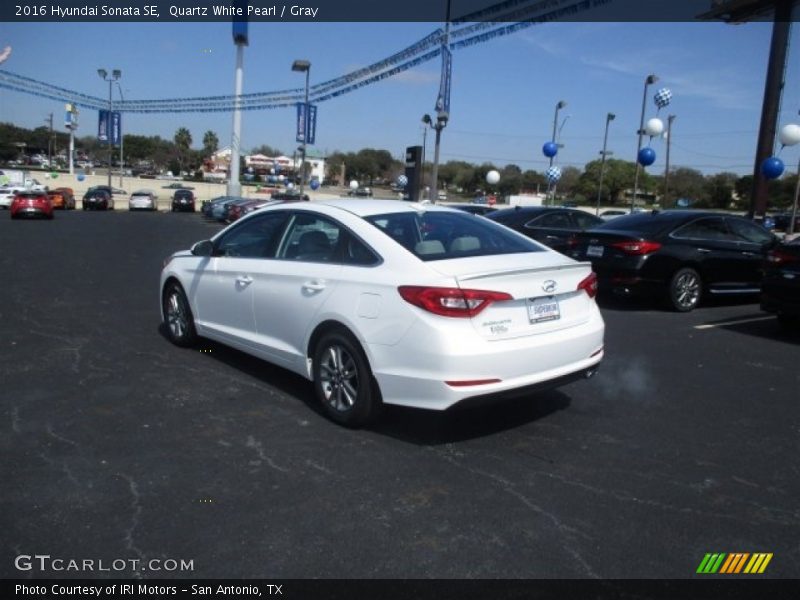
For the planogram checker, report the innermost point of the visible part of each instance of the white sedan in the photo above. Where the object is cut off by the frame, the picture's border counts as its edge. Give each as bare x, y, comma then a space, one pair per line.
143, 200
383, 301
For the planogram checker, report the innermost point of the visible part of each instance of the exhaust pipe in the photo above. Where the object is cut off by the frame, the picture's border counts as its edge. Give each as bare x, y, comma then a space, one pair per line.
591, 372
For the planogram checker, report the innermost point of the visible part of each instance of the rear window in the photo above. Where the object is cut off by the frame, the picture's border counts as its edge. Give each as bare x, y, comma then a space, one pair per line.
439, 235
645, 223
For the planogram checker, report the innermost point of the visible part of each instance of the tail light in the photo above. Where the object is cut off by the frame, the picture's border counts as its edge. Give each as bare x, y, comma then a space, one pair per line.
450, 302
779, 257
636, 247
589, 285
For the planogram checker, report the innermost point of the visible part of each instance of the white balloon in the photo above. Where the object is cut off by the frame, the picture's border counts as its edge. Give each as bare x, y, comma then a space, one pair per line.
353, 185
492, 177
790, 134
290, 186
281, 178
654, 127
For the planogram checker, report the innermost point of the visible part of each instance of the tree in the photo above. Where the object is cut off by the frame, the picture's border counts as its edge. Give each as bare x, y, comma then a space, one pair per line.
183, 141
618, 176
210, 143
687, 183
719, 190
266, 151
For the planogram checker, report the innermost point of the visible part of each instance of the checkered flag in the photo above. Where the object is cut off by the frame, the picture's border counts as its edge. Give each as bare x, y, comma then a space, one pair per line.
662, 97
553, 174
402, 181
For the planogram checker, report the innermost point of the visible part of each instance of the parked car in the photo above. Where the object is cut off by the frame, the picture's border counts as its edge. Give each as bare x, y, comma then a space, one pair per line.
780, 288
383, 301
7, 194
183, 200
549, 225
611, 213
98, 198
31, 204
475, 209
231, 210
781, 221
207, 206
361, 192
68, 194
177, 186
219, 210
143, 200
678, 256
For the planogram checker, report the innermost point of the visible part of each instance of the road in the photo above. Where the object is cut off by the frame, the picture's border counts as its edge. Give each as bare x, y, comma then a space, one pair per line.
117, 445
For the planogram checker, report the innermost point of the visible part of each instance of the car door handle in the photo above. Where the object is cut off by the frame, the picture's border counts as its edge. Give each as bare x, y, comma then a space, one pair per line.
703, 250
244, 280
749, 253
314, 286
552, 237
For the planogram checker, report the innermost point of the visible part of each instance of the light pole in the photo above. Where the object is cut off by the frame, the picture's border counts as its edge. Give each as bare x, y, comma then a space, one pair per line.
303, 66
121, 140
651, 79
609, 117
441, 122
115, 75
670, 119
561, 104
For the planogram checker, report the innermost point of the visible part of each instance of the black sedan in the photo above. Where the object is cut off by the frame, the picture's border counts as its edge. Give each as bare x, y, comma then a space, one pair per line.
780, 289
676, 255
550, 225
475, 209
98, 198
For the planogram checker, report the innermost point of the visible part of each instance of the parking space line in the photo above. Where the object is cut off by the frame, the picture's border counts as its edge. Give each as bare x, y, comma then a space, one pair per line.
734, 322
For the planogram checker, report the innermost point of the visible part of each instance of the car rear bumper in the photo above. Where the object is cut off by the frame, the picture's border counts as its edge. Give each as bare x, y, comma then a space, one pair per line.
448, 370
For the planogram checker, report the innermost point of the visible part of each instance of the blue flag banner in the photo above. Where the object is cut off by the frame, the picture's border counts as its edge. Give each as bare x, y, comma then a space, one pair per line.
443, 100
306, 123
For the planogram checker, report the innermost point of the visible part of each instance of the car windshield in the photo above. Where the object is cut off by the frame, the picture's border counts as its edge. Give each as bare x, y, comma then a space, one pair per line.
440, 235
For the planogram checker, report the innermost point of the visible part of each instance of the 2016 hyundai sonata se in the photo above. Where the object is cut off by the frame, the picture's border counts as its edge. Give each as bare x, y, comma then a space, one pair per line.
388, 301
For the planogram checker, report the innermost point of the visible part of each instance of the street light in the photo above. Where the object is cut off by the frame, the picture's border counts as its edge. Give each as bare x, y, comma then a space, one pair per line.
441, 122
609, 117
115, 75
303, 66
561, 104
651, 79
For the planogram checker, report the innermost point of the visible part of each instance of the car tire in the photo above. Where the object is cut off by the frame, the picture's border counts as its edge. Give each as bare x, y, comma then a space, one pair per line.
685, 290
343, 380
178, 319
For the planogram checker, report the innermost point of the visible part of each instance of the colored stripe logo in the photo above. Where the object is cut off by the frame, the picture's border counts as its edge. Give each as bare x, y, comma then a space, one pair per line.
734, 563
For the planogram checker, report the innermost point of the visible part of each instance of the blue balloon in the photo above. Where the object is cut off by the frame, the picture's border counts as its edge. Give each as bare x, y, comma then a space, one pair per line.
647, 156
772, 167
550, 149
81, 176
314, 185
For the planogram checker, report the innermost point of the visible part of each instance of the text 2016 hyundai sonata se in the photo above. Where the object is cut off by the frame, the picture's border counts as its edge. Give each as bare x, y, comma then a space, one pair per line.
388, 301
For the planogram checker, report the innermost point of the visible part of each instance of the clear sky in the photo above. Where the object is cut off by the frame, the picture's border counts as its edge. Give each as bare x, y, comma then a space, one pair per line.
504, 91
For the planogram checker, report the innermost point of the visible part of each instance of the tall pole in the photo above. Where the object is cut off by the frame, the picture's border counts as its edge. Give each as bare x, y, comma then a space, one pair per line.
609, 117
442, 116
773, 86
234, 187
670, 119
121, 140
306, 116
647, 82
50, 142
110, 131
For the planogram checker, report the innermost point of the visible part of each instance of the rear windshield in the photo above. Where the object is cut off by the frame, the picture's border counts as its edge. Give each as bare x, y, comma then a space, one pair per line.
645, 223
439, 235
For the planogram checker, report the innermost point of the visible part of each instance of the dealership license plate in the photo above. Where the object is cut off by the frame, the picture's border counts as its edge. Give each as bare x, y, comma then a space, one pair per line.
543, 309
594, 251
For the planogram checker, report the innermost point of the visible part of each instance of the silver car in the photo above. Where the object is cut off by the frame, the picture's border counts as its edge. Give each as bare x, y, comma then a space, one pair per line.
143, 200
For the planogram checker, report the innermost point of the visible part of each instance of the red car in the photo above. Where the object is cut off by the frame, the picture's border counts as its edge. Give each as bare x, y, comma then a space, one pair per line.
31, 204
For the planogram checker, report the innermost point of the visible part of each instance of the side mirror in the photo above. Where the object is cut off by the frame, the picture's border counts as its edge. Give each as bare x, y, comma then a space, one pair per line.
204, 248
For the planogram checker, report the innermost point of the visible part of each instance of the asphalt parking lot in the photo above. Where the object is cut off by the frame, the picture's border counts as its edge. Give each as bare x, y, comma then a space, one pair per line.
118, 445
